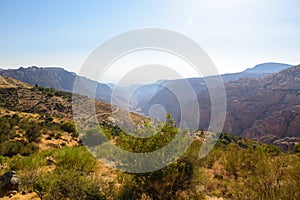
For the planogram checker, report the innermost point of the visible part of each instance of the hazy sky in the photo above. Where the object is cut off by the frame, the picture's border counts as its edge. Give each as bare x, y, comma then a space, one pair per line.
236, 34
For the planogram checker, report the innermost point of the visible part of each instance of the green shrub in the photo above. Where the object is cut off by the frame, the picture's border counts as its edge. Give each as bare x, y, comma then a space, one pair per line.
93, 137
75, 158
296, 148
70, 127
68, 184
11, 148
31, 162
49, 119
3, 159
33, 132
165, 183
272, 149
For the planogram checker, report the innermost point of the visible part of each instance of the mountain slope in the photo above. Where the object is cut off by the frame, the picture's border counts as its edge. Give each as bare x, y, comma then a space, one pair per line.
59, 79
266, 109
22, 97
143, 104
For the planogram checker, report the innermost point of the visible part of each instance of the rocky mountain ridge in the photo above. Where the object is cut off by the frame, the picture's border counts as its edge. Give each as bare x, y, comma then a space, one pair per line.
266, 109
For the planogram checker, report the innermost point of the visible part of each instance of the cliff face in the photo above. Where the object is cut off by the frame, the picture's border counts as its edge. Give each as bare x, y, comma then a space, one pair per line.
265, 109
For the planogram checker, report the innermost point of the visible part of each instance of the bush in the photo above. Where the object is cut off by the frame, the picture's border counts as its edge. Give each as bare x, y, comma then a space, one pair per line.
296, 148
31, 162
58, 136
75, 158
272, 150
93, 137
166, 183
68, 184
70, 127
33, 132
12, 148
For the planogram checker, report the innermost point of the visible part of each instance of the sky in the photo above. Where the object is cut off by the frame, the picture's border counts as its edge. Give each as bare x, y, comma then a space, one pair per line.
236, 34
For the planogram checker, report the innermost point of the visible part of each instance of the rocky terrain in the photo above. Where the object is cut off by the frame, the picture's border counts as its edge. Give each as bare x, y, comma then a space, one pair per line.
41, 154
158, 92
265, 109
18, 96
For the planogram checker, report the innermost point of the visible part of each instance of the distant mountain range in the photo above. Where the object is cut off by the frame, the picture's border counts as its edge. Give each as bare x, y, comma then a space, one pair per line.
263, 102
198, 84
61, 79
268, 68
266, 109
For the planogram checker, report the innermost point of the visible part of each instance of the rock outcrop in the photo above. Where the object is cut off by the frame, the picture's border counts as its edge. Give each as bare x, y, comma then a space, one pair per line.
9, 182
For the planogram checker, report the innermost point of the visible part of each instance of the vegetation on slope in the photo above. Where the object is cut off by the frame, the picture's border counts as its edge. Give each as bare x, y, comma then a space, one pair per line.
235, 169
42, 148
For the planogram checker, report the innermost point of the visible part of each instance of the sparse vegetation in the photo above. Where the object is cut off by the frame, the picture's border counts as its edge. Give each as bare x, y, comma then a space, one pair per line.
296, 148
70, 127
237, 168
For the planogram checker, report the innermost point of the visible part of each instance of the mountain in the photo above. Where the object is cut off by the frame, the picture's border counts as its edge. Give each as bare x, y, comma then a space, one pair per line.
141, 95
22, 97
260, 105
143, 102
266, 109
59, 79
268, 68
138, 96
43, 139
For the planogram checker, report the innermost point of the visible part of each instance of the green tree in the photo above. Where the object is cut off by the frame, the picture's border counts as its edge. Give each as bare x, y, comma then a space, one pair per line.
33, 132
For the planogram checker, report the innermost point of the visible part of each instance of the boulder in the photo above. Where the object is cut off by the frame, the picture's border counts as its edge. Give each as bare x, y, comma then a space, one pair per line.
8, 182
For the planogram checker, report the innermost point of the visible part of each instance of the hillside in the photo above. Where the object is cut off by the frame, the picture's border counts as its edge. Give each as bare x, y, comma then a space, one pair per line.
265, 109
142, 104
271, 105
59, 79
20, 98
6, 82
41, 156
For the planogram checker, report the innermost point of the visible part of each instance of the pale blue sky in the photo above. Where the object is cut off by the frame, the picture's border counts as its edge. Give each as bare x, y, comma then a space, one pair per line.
236, 34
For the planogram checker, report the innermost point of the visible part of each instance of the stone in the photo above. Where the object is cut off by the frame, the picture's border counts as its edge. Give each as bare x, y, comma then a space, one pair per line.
8, 182
50, 160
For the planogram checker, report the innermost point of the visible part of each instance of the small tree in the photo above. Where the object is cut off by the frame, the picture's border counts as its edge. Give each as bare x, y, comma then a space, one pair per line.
33, 132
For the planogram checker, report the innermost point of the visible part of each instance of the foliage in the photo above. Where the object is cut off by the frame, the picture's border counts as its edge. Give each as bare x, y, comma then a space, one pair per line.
165, 183
296, 148
72, 178
254, 173
70, 127
68, 184
73, 158
235, 169
33, 132
11, 148
94, 137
